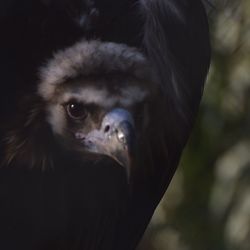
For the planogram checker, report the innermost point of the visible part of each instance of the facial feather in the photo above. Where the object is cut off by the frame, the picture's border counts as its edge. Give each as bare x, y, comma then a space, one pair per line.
93, 58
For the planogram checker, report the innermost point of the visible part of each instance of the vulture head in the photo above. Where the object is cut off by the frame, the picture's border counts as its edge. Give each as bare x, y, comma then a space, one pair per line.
95, 96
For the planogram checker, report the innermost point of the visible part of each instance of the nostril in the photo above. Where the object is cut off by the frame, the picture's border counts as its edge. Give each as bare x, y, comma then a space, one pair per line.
106, 129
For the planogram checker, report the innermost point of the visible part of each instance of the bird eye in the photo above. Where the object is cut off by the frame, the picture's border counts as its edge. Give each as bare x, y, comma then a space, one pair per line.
76, 110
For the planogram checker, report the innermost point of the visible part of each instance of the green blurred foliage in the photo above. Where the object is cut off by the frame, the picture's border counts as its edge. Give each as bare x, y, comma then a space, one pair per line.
207, 206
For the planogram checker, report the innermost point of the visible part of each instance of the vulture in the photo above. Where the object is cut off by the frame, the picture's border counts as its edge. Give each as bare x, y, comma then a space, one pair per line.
98, 99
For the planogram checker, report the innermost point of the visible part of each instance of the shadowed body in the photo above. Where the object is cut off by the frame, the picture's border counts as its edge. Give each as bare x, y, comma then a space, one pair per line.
52, 196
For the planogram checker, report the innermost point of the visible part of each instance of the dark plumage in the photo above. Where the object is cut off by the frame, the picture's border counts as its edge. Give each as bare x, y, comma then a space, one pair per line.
98, 100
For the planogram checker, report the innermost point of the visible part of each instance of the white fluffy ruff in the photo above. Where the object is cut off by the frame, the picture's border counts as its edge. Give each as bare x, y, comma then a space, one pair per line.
88, 58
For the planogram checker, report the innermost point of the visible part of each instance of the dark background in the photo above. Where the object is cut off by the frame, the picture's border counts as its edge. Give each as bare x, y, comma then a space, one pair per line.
207, 205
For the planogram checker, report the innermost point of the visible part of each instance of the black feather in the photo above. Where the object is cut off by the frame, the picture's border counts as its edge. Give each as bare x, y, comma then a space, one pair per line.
86, 203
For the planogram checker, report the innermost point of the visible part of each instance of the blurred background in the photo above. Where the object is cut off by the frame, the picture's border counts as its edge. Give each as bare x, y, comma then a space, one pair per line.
207, 206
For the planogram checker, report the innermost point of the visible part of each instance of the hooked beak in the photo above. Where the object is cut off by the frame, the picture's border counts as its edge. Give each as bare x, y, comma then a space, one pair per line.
116, 138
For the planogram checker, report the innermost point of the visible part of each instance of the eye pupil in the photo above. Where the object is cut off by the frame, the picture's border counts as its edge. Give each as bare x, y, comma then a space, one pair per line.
76, 110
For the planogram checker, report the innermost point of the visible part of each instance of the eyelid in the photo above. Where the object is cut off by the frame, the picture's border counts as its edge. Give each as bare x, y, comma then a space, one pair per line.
72, 101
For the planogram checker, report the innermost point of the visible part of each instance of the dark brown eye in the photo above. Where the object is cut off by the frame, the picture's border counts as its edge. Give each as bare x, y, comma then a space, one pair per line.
76, 110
